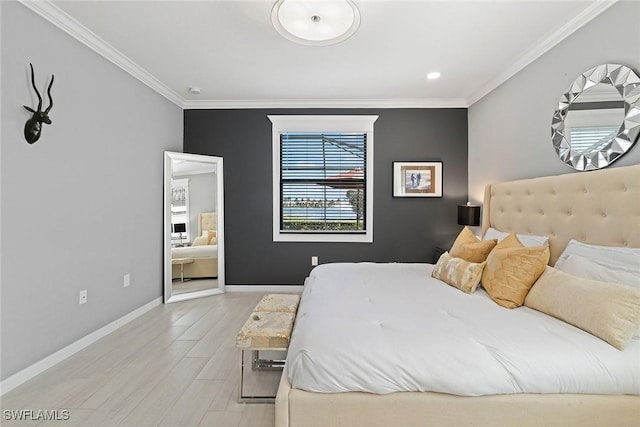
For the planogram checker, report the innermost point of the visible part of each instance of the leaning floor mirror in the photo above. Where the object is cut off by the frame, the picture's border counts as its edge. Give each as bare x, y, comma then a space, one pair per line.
193, 226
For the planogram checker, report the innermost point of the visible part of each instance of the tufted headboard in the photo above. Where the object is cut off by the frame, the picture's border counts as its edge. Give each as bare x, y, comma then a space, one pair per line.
600, 207
207, 221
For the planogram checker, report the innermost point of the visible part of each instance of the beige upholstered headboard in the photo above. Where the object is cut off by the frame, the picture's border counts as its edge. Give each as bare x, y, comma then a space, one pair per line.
207, 221
600, 207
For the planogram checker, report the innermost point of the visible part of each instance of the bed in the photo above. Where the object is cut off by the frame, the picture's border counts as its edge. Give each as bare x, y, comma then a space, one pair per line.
205, 257
600, 208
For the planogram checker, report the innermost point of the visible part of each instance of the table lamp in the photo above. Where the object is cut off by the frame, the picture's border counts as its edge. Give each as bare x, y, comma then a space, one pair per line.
469, 214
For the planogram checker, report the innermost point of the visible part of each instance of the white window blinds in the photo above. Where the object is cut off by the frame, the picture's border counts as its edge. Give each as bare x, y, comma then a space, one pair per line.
323, 182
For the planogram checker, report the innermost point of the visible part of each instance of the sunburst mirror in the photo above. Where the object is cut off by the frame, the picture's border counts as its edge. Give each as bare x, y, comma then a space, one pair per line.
598, 117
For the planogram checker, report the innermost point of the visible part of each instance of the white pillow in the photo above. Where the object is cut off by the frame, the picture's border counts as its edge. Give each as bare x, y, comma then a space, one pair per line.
200, 241
628, 258
582, 267
527, 240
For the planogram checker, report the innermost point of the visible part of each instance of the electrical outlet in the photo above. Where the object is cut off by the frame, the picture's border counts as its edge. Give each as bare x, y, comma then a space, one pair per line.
314, 260
83, 297
127, 280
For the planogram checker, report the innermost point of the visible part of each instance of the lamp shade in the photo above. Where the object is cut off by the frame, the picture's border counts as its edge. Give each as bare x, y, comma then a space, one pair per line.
469, 215
180, 228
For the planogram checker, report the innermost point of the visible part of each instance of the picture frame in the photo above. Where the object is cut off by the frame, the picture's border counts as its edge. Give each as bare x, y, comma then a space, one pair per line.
417, 179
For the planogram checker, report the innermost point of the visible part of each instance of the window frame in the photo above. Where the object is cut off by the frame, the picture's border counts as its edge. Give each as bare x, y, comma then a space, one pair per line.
334, 124
178, 239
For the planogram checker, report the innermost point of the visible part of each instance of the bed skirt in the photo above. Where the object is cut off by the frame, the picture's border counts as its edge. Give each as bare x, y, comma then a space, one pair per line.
298, 408
200, 268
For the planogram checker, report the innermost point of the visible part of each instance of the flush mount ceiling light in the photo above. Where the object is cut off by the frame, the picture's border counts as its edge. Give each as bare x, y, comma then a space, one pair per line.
434, 75
315, 22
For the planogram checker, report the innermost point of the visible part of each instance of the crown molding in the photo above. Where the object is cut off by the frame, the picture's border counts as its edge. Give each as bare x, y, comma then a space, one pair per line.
62, 20
59, 18
325, 103
542, 47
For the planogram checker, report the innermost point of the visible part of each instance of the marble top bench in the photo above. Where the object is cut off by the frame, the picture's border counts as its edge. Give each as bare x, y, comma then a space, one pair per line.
270, 324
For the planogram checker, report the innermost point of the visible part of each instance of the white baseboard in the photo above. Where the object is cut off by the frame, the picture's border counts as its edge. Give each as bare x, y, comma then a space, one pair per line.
31, 371
279, 289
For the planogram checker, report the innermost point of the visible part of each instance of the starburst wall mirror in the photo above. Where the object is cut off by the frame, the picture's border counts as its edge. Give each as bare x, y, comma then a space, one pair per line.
598, 117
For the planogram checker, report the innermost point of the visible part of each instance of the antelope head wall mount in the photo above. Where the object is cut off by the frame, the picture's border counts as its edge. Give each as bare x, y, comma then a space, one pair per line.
33, 127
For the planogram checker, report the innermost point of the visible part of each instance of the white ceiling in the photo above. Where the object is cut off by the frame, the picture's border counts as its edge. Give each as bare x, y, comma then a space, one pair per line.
183, 168
231, 51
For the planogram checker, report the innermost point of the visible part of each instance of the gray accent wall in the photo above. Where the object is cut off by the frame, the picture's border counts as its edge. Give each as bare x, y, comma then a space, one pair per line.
405, 229
82, 206
510, 128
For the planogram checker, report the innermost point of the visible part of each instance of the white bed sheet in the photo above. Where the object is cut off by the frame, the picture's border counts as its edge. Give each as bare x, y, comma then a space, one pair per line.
383, 328
202, 251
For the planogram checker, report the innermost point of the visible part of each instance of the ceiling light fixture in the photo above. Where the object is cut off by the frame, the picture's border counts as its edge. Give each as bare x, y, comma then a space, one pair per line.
316, 22
434, 75
195, 90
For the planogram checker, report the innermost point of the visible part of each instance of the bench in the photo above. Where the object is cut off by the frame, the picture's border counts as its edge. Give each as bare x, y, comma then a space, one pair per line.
181, 262
268, 328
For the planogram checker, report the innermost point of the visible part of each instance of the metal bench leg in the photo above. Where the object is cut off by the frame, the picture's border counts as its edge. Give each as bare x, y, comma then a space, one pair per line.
253, 399
258, 364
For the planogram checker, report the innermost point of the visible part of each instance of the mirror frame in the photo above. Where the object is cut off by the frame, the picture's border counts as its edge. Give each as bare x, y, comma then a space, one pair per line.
166, 235
627, 83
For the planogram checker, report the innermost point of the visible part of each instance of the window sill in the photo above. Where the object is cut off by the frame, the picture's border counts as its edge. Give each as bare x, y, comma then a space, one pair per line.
319, 237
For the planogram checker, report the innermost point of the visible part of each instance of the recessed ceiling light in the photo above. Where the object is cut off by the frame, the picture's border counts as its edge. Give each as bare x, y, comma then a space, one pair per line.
434, 75
315, 22
194, 90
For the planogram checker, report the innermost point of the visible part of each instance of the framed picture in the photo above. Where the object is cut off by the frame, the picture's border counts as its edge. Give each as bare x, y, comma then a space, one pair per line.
417, 179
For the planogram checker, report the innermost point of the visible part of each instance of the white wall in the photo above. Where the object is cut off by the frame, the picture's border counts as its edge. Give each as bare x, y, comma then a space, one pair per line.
202, 198
510, 128
82, 206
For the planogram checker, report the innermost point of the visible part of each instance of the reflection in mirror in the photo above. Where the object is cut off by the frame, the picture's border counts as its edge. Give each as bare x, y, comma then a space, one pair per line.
193, 229
593, 118
179, 209
598, 118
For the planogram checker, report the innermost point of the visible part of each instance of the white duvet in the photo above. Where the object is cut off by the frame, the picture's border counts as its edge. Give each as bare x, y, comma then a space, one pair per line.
201, 251
383, 328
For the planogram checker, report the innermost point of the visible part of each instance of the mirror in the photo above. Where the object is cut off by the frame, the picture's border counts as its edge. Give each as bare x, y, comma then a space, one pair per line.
598, 117
193, 226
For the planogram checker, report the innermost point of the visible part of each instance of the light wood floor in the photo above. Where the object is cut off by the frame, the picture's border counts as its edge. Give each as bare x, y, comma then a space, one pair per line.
175, 366
192, 285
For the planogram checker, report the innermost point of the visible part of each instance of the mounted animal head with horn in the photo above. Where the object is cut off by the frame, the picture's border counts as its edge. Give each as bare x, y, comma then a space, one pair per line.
33, 127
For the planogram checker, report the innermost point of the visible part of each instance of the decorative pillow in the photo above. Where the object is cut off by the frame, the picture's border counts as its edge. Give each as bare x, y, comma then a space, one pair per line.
607, 310
470, 248
525, 239
587, 269
458, 272
512, 269
603, 255
212, 236
200, 241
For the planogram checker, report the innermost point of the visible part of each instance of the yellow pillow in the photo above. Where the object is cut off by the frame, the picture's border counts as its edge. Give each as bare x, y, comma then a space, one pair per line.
607, 310
212, 236
458, 272
470, 248
512, 269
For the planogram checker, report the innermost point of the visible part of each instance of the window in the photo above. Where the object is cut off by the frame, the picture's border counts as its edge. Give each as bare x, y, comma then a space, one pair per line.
588, 129
323, 178
179, 212
588, 139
